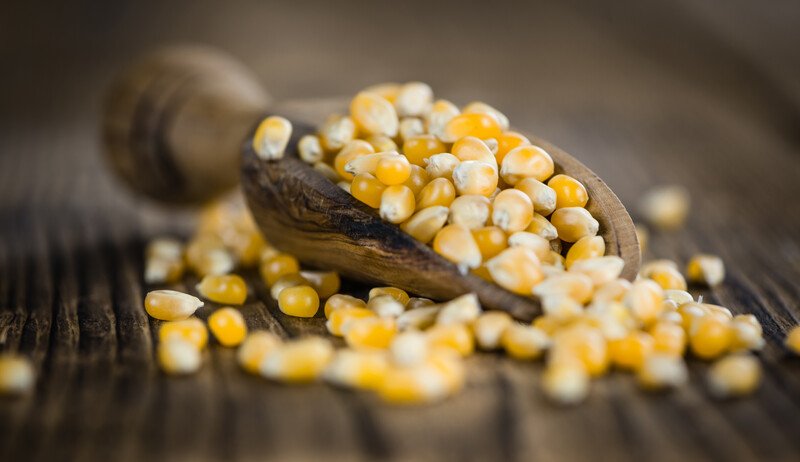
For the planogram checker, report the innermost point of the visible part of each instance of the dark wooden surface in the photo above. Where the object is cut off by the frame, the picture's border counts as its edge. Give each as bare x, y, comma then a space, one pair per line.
644, 93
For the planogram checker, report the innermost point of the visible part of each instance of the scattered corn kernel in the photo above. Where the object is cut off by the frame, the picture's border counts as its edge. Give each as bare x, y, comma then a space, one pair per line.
374, 115
192, 330
254, 348
706, 269
460, 310
475, 177
17, 375
666, 207
661, 371
630, 351
271, 137
385, 306
229, 289
491, 241
710, 337
441, 113
370, 332
457, 337
524, 342
441, 165
565, 384
419, 148
177, 356
507, 142
342, 301
170, 305
301, 301
336, 132
792, 340
301, 360
228, 326
542, 196
414, 99
360, 369
340, 319
489, 328
409, 348
326, 283
278, 266
734, 375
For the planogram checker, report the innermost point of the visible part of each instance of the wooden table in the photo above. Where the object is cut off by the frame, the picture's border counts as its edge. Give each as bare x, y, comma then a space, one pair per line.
644, 93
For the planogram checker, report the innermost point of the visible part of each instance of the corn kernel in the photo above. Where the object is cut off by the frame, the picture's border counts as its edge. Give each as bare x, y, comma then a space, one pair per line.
644, 301
374, 115
584, 344
512, 210
526, 162
419, 302
370, 332
565, 383
393, 170
342, 301
457, 337
395, 292
666, 207
668, 338
479, 107
471, 211
542, 196
690, 313
584, 248
665, 274
170, 305
614, 290
411, 126
367, 189
678, 296
163, 261
17, 375
516, 269
382, 143
508, 141
560, 307
359, 369
228, 326
271, 137
420, 148
280, 265
440, 191
474, 177
417, 179
414, 99
177, 356
301, 301
409, 349
471, 148
747, 333
388, 90
441, 165
301, 360
460, 310
574, 223
792, 340
208, 255
706, 269
192, 330
539, 245
254, 349
734, 375
326, 283
336, 132
577, 286
629, 352
351, 151
367, 163
340, 319
385, 306
709, 337
426, 223
569, 191
413, 385
397, 204
524, 342
489, 328
491, 240
420, 317
456, 244
601, 270
309, 149
229, 289
542, 226
441, 113
479, 125
661, 371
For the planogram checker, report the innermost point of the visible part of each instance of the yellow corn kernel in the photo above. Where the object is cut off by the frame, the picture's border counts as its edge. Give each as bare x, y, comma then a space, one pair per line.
309, 149
359, 369
301, 301
271, 137
177, 356
690, 313
297, 361
410, 126
539, 245
420, 317
338, 301
206, 254
381, 143
387, 91
280, 265
419, 302
526, 162
267, 252
471, 211
409, 348
630, 351
507, 142
471, 148
542, 196
555, 260
374, 115
792, 340
542, 226
516, 269
170, 305
395, 292
456, 244
393, 170
577, 286
326, 283
417, 179
601, 270
254, 349
367, 189
457, 337
565, 383
414, 385
336, 132
441, 165
574, 223
283, 282
164, 248
385, 306
370, 332
584, 248
474, 177
351, 151
479, 125
668, 338
163, 261
419, 148
414, 99
644, 301
489, 328
706, 269
426, 223
192, 330
512, 210
17, 376
524, 342
229, 289
665, 207
661, 371
491, 241
569, 191
710, 337
734, 375
585, 344
479, 107
440, 191
678, 296
228, 326
368, 163
441, 113
340, 319
665, 273
460, 310
397, 204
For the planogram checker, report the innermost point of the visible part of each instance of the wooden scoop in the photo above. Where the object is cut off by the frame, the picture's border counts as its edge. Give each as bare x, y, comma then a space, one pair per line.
178, 127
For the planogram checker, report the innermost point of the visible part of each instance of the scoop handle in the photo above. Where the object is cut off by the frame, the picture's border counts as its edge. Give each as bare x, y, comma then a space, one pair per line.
174, 123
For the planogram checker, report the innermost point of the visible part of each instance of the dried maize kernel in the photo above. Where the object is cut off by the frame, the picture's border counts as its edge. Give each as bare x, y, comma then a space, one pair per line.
569, 191
450, 365
397, 204
690, 312
665, 275
338, 301
411, 126
367, 189
709, 337
516, 269
539, 245
734, 375
426, 223
336, 132
483, 108
601, 270
192, 330
441, 165
393, 170
163, 261
387, 91
352, 150
585, 344
577, 286
414, 99
301, 360
456, 244
17, 375
360, 369
792, 340
228, 326
560, 307
370, 333
382, 143
254, 348
542, 226
326, 283
309, 149
413, 385
666, 207
280, 265
271, 137
489, 328
460, 310
747, 333
457, 337
420, 317
644, 301
170, 305
573, 223
526, 162
507, 142
367, 163
479, 125
441, 113
164, 248
177, 356
586, 247
512, 210
207, 254
668, 338
565, 383
374, 115
471, 211
661, 371
340, 319
678, 296
474, 177
542, 196
471, 148
229, 289
417, 179
491, 240
409, 349
706, 269
385, 306
395, 292
523, 342
419, 148
630, 351
440, 191
301, 301
419, 302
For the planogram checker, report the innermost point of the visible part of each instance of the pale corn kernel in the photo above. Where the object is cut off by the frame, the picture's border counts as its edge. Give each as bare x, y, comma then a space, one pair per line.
170, 305
419, 148
177, 356
577, 286
460, 310
629, 352
671, 316
565, 383
352, 150
228, 289
165, 248
163, 271
747, 333
410, 126
489, 328
368, 163
440, 191
326, 283
733, 376
479, 107
574, 223
228, 326
340, 319
585, 344
690, 313
336, 132
382, 143
706, 269
385, 306
542, 226
668, 338
665, 207
660, 371
387, 90
471, 211
569, 191
601, 270
441, 165
475, 177
301, 360
309, 149
678, 296
419, 302
395, 292
720, 312
414, 99
555, 260
548, 324
359, 369
208, 255
17, 375
456, 337
526, 162
471, 148
643, 236
542, 196
792, 340
539, 245
279, 265
710, 337
367, 189
644, 301
479, 125
450, 364
414, 385
426, 223
560, 307
667, 276
524, 342
417, 179
271, 137
374, 115
441, 113
192, 330
492, 144
370, 332
516, 269
409, 348
420, 317
491, 240
397, 204
301, 301
267, 252
584, 248
456, 244
507, 142
338, 301
393, 170
327, 171
552, 270
254, 348
512, 210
